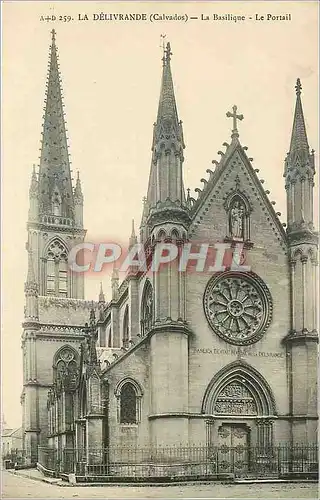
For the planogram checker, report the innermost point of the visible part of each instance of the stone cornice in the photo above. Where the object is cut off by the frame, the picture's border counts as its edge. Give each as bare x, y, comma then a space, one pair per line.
302, 336
37, 384
44, 331
166, 212
163, 326
208, 416
302, 234
52, 327
31, 325
47, 302
94, 416
168, 325
60, 337
213, 417
56, 228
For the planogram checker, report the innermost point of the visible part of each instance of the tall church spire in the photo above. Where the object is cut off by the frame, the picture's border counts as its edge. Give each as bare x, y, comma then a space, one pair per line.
55, 187
165, 182
299, 172
167, 108
299, 140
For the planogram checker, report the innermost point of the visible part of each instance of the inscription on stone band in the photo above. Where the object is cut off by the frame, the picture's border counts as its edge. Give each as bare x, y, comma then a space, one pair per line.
241, 352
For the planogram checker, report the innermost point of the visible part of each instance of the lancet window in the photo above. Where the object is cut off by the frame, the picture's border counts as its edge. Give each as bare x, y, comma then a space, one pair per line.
57, 269
128, 394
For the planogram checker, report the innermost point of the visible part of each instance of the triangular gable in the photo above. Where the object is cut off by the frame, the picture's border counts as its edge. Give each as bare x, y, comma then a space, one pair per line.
212, 184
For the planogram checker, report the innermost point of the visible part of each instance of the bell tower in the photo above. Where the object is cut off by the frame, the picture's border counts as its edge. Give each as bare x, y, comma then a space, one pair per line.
55, 220
303, 250
55, 225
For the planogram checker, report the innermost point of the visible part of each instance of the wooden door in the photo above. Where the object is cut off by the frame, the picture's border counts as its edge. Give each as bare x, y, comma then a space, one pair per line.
233, 448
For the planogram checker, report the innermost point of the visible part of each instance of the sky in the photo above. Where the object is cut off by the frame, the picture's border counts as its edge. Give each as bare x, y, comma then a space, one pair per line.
111, 73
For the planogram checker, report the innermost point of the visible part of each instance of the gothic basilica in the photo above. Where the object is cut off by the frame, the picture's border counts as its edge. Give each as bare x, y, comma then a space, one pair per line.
174, 358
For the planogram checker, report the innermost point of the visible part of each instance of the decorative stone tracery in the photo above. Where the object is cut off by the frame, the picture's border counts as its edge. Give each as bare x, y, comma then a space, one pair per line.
56, 269
128, 393
238, 307
235, 399
238, 383
65, 369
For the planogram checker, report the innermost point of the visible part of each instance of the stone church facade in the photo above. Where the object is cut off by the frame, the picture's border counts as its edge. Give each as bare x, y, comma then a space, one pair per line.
175, 357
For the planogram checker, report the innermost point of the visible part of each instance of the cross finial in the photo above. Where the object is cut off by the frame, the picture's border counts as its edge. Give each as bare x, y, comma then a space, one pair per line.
53, 33
167, 53
298, 87
163, 48
235, 117
162, 39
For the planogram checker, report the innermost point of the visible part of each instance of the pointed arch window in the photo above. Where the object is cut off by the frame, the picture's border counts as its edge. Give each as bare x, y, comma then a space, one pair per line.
128, 405
147, 309
65, 369
61, 397
125, 339
57, 269
129, 394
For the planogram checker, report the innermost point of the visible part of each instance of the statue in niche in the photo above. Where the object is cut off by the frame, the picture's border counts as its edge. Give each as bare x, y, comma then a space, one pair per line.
237, 220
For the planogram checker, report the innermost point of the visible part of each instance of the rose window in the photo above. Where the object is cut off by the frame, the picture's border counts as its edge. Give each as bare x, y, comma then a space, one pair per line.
238, 307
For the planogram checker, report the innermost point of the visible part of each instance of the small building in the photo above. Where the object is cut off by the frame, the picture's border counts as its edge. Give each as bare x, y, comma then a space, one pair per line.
11, 441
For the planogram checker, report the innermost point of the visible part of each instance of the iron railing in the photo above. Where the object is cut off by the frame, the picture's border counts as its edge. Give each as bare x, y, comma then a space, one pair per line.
182, 462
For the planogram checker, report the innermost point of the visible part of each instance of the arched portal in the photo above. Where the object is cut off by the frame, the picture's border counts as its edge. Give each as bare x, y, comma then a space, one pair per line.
240, 408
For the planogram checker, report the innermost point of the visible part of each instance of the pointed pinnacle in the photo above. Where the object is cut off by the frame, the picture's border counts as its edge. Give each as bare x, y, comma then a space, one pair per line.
299, 140
133, 238
115, 274
101, 294
133, 233
30, 276
33, 191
